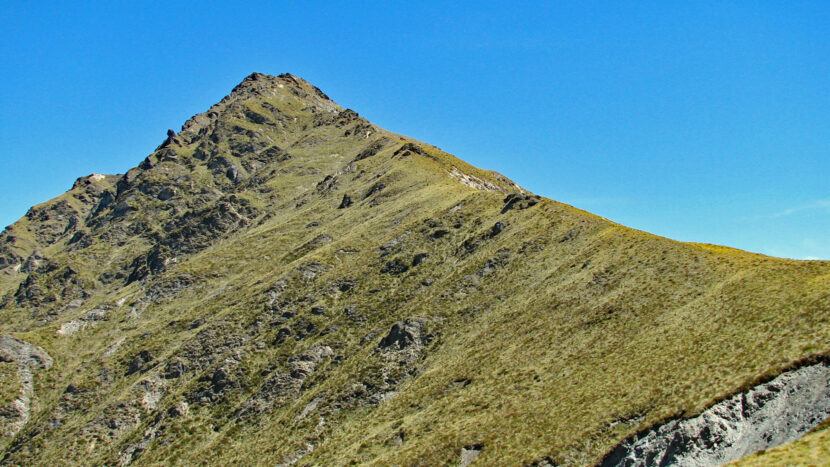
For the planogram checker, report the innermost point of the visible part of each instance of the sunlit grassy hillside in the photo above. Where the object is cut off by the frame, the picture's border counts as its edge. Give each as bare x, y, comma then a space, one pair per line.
283, 281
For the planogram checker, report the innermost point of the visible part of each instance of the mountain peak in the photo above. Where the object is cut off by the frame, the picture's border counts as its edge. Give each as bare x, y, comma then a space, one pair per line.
283, 269
268, 84
255, 76
286, 93
259, 80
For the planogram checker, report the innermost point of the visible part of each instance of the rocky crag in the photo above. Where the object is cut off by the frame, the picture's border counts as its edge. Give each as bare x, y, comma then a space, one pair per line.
283, 282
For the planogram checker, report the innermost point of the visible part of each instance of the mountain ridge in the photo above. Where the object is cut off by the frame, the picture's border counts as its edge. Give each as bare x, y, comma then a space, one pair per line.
282, 273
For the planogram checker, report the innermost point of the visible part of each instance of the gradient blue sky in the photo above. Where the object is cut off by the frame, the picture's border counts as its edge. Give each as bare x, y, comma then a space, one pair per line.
699, 121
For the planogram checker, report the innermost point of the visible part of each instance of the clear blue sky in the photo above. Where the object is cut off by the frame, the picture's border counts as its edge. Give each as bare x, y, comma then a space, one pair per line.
701, 121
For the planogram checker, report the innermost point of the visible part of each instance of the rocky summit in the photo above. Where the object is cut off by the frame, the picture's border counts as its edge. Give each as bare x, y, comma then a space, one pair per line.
282, 282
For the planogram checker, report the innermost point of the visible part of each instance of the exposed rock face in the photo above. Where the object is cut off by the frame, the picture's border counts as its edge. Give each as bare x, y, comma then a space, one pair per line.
28, 358
766, 416
283, 387
140, 361
370, 151
327, 185
519, 201
21, 352
473, 181
346, 202
396, 266
404, 336
469, 453
418, 259
90, 318
404, 344
33, 262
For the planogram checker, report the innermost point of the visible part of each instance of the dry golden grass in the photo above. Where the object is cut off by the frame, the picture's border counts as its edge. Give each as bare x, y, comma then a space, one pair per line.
589, 331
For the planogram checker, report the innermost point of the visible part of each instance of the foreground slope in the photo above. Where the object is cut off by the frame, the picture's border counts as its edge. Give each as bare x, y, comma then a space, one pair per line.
812, 449
283, 281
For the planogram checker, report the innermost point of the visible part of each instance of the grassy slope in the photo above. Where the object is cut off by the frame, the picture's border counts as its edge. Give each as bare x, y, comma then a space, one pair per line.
590, 331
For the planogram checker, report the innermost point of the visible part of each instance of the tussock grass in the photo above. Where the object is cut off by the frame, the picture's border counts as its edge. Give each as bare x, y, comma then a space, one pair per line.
583, 333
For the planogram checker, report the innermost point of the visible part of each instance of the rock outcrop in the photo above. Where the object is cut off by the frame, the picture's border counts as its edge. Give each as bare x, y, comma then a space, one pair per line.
766, 416
28, 359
